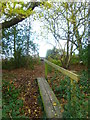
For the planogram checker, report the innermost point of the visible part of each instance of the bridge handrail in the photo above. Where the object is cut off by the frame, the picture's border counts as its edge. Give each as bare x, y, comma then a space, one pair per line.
70, 74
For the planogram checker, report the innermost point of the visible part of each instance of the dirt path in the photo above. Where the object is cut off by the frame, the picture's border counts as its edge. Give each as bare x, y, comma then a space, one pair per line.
26, 79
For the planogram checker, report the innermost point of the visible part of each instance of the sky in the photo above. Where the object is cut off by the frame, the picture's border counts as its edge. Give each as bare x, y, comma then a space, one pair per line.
43, 45
46, 42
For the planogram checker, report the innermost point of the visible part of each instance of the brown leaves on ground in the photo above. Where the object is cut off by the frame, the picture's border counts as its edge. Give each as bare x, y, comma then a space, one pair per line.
26, 81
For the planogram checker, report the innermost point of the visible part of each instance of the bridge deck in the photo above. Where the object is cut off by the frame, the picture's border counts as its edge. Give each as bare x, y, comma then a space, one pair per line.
50, 102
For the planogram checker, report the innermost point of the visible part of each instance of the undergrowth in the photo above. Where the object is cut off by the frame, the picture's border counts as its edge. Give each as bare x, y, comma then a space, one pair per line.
11, 104
76, 96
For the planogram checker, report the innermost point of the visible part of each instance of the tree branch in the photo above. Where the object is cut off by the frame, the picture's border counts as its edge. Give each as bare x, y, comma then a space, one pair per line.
18, 19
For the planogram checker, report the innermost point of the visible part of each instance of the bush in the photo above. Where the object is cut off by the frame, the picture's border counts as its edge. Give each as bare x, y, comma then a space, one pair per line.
8, 64
36, 60
28, 62
84, 55
57, 62
23, 61
75, 59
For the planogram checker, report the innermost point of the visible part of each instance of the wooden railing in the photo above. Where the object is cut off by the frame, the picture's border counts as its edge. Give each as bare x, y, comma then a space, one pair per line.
68, 73
74, 78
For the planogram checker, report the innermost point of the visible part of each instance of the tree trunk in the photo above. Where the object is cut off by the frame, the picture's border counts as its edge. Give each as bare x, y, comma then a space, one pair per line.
14, 43
68, 38
28, 36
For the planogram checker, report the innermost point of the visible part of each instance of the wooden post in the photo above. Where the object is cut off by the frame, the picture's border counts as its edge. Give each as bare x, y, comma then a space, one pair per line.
73, 90
46, 70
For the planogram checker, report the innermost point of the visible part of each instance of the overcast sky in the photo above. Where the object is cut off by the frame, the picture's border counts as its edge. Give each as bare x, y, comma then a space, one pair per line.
46, 42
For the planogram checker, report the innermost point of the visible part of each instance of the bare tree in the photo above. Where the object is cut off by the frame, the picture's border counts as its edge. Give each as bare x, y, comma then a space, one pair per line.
67, 21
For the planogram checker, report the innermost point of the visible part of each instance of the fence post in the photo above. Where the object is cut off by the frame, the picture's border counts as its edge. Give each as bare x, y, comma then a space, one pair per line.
46, 70
73, 93
73, 85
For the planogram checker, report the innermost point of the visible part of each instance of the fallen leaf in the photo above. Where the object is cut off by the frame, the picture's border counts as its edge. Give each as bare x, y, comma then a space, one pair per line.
29, 111
48, 81
25, 113
80, 87
35, 110
36, 115
26, 106
8, 88
23, 98
34, 96
28, 89
63, 100
11, 82
35, 103
54, 104
62, 110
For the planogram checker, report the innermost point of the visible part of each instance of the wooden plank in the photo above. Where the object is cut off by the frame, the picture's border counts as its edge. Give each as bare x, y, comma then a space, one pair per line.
46, 102
54, 101
64, 71
49, 99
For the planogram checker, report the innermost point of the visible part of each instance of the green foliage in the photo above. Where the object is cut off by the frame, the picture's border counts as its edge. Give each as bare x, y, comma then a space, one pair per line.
84, 55
16, 42
36, 60
53, 56
51, 80
7, 64
57, 62
28, 62
75, 95
18, 58
18, 8
10, 101
53, 53
77, 106
84, 81
21, 61
61, 89
49, 68
49, 53
75, 59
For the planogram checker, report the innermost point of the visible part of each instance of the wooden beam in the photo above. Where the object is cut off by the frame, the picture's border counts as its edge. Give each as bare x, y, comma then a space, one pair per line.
64, 71
51, 104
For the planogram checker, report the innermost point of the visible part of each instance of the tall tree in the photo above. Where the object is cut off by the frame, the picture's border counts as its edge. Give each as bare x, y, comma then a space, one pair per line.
16, 39
67, 21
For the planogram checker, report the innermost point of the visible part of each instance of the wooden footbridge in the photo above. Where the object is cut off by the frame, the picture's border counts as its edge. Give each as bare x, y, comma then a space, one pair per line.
51, 104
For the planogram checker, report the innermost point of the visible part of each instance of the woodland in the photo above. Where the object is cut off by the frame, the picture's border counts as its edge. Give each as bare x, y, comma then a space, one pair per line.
21, 63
